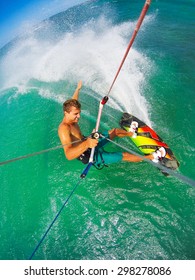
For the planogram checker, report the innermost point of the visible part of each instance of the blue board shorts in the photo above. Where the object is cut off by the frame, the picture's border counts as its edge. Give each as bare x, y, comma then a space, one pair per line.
102, 157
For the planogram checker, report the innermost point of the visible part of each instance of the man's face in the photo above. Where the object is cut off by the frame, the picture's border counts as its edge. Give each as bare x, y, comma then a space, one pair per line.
74, 114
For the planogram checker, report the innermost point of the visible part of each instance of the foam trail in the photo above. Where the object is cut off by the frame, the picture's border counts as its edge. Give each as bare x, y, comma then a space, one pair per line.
91, 54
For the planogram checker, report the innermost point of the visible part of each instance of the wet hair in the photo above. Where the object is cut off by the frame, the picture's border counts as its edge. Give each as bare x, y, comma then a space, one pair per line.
71, 103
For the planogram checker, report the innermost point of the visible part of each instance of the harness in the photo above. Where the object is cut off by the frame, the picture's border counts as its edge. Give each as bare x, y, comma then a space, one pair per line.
84, 157
99, 165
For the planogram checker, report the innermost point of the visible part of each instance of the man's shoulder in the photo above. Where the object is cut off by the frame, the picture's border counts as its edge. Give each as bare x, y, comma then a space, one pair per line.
63, 126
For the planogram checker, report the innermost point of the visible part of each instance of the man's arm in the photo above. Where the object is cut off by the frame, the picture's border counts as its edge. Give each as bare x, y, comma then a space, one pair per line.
76, 93
74, 150
118, 132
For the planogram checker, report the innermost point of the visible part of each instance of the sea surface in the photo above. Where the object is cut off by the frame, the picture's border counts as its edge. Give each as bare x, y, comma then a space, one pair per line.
127, 210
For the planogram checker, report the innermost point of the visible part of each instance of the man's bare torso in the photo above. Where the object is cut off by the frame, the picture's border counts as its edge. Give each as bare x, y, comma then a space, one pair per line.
74, 131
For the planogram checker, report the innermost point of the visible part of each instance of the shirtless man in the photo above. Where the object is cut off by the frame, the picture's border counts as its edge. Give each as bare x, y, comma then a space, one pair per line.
77, 146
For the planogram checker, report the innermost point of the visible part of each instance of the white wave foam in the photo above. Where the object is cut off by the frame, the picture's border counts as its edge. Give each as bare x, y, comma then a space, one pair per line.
92, 54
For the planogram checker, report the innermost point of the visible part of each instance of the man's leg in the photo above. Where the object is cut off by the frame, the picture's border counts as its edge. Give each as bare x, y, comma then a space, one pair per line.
156, 156
119, 132
134, 158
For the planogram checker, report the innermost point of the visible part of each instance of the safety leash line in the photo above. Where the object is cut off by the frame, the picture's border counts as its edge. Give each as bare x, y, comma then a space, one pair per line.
56, 217
177, 175
139, 22
37, 153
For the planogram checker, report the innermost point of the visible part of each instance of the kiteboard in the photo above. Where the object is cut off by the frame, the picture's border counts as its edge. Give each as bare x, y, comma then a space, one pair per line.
147, 141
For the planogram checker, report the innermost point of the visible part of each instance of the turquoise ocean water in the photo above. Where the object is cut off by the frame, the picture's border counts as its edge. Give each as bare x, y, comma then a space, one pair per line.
125, 211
